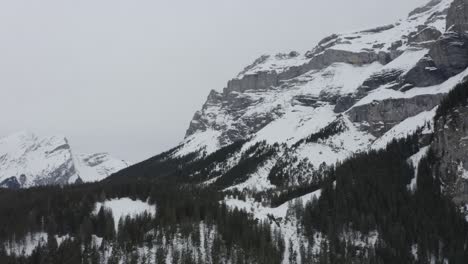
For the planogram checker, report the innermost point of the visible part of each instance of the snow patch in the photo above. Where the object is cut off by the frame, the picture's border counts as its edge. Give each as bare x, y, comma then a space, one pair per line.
462, 172
201, 141
124, 207
415, 159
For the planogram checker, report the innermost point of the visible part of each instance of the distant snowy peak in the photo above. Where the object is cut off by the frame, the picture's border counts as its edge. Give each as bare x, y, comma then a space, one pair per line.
96, 167
28, 160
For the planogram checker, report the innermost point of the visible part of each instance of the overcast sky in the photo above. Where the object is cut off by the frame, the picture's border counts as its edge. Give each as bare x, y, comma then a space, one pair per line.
126, 76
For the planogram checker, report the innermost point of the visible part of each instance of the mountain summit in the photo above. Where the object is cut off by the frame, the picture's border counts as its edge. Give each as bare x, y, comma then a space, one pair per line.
283, 97
29, 160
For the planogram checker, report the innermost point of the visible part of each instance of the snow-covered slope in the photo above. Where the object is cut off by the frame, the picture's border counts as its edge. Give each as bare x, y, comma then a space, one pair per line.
29, 160
361, 89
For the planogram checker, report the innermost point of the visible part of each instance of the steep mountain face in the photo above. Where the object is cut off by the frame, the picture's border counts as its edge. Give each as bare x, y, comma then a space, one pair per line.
381, 84
28, 160
450, 144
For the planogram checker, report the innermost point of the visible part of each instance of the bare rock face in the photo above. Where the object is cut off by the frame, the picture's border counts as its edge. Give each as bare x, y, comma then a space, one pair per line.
259, 81
235, 105
425, 37
458, 15
381, 116
448, 55
378, 79
425, 73
450, 147
321, 59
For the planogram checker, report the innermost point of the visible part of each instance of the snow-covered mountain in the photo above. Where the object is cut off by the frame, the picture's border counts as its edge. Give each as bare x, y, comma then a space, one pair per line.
367, 87
29, 160
305, 144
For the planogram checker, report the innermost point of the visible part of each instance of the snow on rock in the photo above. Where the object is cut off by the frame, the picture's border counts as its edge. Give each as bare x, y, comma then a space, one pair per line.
406, 61
407, 127
336, 79
27, 159
289, 96
384, 38
124, 207
33, 160
274, 63
384, 93
206, 141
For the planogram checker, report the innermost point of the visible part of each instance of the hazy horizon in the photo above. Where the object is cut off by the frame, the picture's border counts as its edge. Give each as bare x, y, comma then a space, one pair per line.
126, 77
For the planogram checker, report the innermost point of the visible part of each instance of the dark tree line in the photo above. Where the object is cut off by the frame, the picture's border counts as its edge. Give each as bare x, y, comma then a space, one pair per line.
456, 97
371, 194
330, 130
181, 207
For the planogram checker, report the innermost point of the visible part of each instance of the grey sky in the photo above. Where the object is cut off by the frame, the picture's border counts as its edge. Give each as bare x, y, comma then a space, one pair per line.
125, 77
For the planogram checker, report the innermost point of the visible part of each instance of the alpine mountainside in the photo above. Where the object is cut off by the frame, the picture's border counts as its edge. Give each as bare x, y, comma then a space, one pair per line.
353, 152
27, 160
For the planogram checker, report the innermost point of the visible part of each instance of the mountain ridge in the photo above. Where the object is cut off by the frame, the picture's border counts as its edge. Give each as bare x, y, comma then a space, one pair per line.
27, 160
380, 55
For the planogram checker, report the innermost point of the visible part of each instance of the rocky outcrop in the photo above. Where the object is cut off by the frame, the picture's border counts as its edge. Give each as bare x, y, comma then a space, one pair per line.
448, 55
458, 15
235, 105
425, 37
380, 116
425, 73
319, 59
259, 81
326, 58
450, 147
378, 79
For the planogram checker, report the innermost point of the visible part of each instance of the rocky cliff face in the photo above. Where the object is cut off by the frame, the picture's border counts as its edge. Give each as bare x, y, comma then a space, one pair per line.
28, 160
379, 84
450, 145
